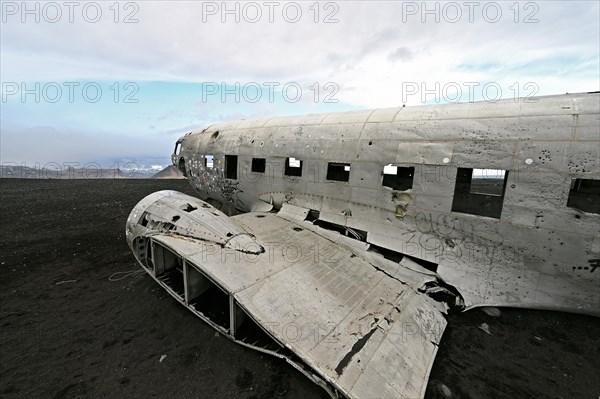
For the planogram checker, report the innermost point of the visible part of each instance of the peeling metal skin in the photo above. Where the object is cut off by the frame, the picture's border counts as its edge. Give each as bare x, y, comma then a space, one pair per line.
291, 291
375, 264
539, 253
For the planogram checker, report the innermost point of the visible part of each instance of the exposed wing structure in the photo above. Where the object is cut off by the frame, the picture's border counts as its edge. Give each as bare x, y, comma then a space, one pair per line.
358, 327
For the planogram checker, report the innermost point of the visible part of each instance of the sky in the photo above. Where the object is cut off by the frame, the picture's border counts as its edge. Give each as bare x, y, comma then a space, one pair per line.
110, 83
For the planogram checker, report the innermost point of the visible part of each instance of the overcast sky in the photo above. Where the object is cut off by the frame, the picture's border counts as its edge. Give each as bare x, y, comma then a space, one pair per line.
111, 82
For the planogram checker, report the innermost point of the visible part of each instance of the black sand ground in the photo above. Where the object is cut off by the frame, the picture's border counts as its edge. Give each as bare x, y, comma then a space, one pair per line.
66, 331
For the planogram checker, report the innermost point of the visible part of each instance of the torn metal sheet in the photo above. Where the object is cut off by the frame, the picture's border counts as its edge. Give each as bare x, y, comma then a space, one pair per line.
544, 147
364, 332
293, 213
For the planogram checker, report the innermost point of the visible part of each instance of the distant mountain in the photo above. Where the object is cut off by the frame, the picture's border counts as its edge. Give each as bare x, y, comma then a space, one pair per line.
58, 172
170, 172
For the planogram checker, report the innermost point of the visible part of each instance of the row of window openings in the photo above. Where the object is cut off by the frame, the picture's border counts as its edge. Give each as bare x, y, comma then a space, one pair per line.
395, 177
477, 191
398, 178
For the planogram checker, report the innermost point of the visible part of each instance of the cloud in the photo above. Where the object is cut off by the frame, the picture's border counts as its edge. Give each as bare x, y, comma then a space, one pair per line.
400, 54
371, 53
178, 46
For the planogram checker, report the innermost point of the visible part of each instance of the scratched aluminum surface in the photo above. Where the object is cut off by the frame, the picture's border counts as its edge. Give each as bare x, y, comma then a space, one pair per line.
538, 254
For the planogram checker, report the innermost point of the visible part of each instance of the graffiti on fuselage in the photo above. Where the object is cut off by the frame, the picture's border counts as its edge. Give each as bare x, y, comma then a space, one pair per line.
454, 239
594, 264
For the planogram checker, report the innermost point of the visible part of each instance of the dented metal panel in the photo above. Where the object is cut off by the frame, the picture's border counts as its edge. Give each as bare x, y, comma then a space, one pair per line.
424, 153
364, 331
543, 143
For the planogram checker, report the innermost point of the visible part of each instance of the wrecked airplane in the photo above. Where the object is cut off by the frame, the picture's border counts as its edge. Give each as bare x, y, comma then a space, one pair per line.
338, 241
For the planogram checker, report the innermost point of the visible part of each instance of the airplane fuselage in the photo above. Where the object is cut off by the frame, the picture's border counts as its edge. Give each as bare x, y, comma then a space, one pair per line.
500, 200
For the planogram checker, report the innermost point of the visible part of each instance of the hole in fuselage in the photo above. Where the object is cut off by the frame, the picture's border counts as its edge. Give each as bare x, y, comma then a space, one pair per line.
143, 252
396, 256
357, 234
206, 297
584, 195
181, 167
144, 219
248, 331
189, 208
313, 215
168, 268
